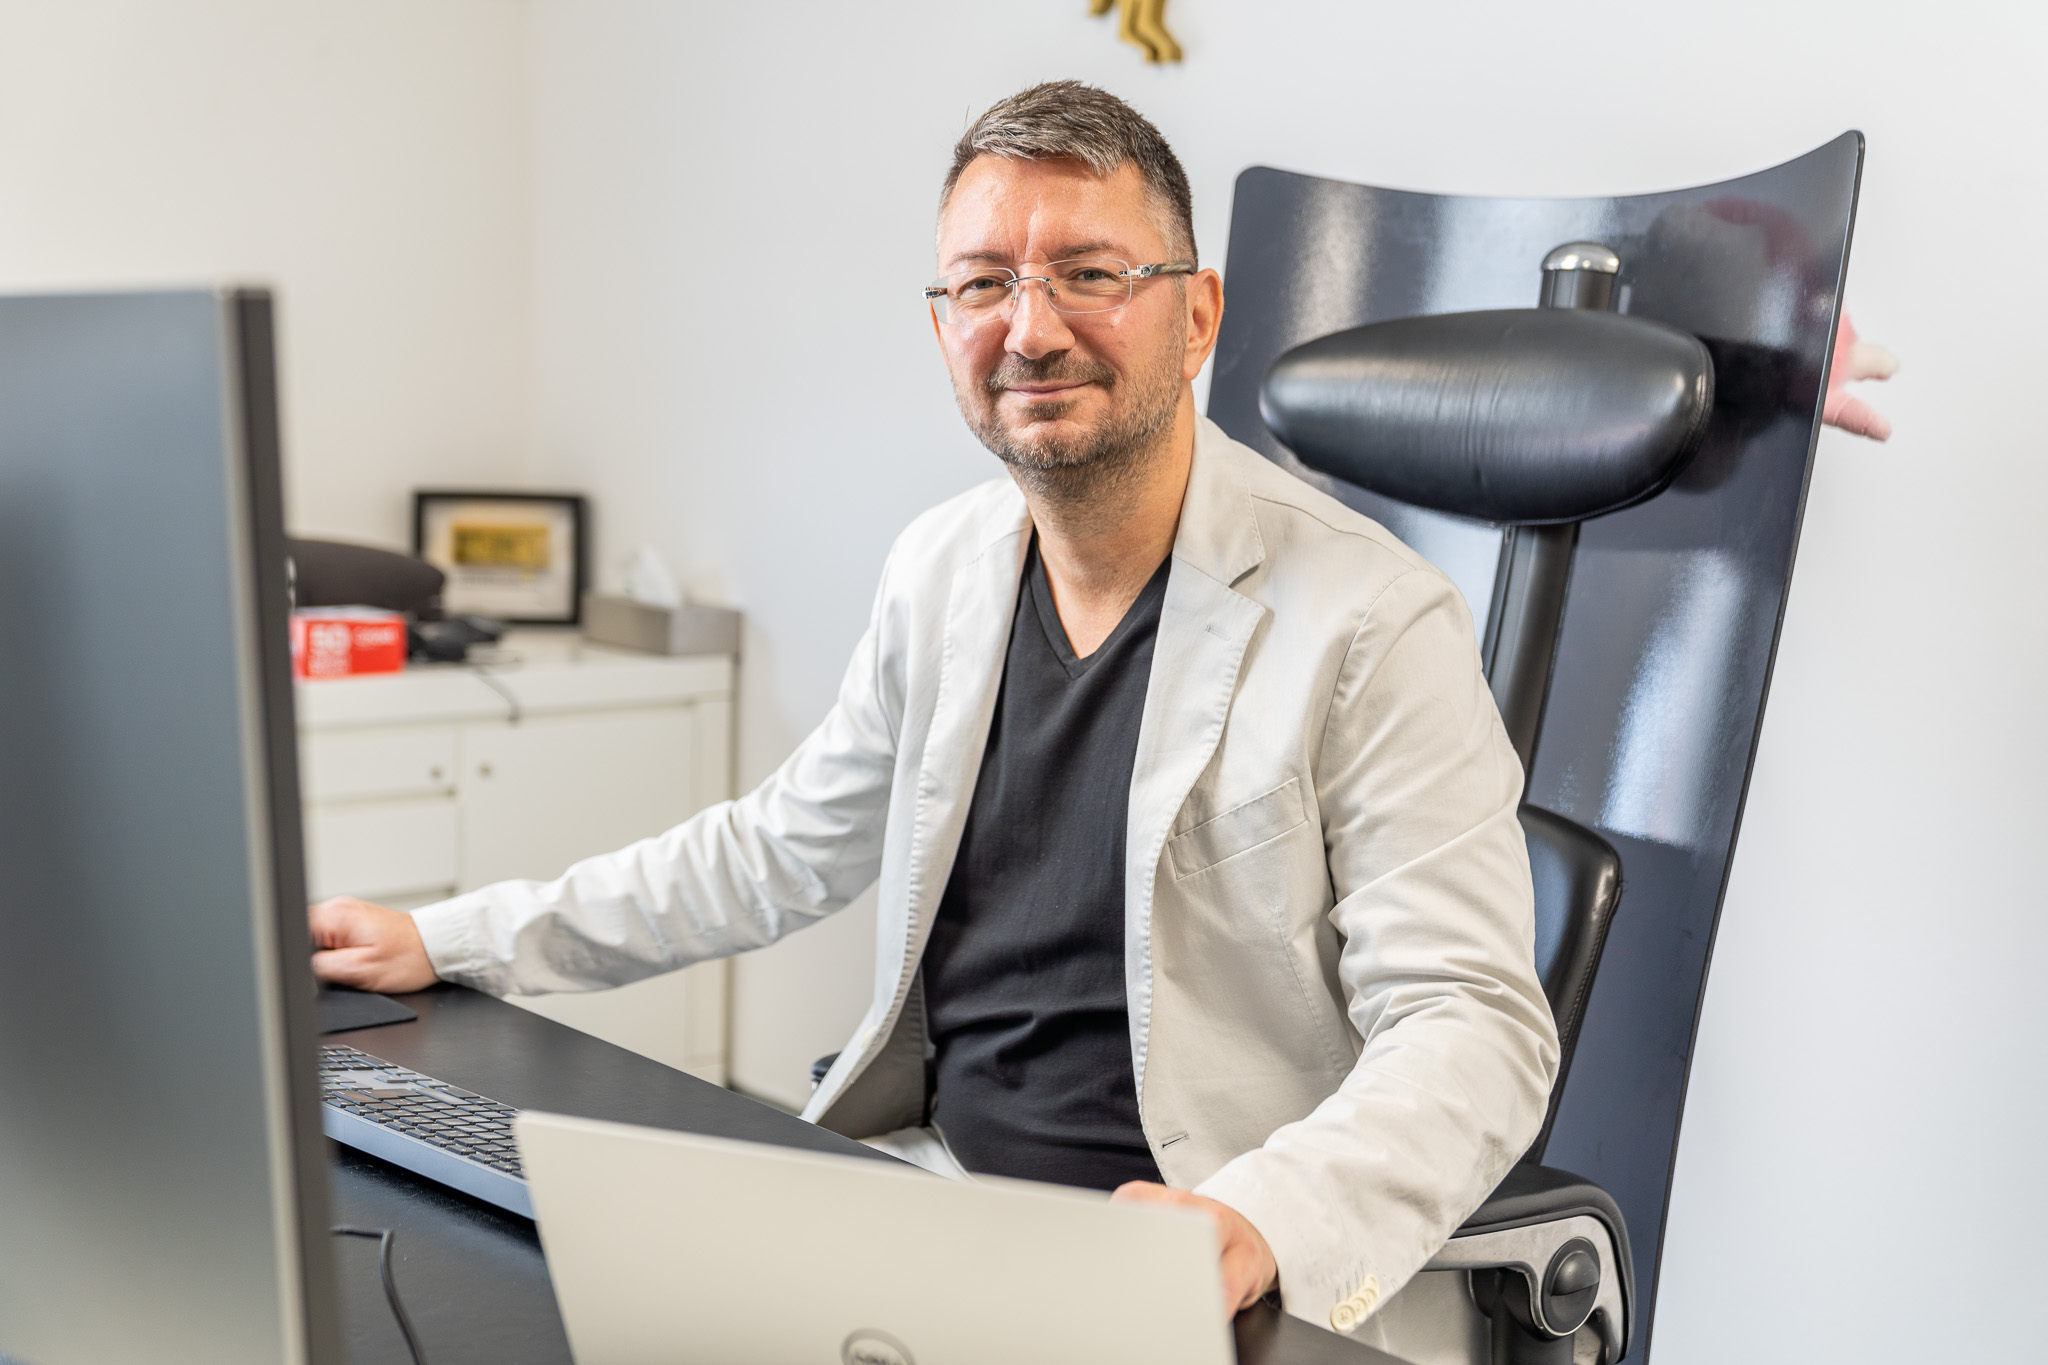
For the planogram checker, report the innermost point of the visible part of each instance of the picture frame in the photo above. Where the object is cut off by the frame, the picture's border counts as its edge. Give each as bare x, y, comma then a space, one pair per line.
517, 557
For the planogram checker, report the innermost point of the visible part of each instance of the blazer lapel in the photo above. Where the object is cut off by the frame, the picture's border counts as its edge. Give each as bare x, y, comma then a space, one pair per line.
979, 609
883, 1063
1204, 628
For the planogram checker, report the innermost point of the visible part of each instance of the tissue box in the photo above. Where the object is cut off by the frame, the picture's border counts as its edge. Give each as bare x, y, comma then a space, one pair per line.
339, 642
660, 630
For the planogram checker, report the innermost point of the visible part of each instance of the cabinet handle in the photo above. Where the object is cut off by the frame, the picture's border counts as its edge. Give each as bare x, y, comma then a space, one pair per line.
434, 773
483, 770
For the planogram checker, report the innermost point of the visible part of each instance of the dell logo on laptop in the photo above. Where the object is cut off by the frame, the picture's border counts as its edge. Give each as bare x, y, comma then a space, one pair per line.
868, 1346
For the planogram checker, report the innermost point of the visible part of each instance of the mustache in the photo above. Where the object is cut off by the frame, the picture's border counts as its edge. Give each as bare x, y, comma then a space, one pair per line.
1061, 368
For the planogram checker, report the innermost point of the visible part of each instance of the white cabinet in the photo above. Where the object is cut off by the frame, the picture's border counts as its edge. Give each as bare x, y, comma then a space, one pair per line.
354, 764
539, 795
399, 852
438, 780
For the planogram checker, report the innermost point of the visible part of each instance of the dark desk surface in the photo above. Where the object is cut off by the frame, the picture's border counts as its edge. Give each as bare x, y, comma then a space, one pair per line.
473, 1277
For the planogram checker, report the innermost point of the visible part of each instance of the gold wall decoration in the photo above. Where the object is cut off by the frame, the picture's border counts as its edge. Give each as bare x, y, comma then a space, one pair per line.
1143, 23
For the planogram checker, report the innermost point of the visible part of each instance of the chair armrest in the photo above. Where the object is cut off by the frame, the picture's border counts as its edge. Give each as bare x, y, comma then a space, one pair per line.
1566, 1241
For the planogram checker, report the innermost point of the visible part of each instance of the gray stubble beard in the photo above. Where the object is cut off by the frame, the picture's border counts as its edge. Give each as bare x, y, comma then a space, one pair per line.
1095, 478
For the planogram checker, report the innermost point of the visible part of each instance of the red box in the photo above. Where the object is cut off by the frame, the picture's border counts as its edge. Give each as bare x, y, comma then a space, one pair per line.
340, 642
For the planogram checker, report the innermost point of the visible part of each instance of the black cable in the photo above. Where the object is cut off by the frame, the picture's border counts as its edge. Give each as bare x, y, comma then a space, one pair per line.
384, 1238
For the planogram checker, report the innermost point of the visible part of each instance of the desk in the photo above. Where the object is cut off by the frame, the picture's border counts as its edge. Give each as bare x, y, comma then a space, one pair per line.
440, 779
472, 1276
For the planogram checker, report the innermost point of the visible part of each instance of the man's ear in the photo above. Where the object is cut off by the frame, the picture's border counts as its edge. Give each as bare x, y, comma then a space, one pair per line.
1205, 320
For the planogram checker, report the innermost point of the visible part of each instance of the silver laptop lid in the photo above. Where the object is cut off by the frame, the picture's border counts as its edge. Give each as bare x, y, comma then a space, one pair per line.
668, 1246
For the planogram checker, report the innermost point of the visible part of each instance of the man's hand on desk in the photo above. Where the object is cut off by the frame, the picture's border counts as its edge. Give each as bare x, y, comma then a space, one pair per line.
368, 947
1249, 1270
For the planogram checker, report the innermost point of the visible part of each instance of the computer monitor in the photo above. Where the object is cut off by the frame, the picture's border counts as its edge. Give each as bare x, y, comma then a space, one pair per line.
162, 1178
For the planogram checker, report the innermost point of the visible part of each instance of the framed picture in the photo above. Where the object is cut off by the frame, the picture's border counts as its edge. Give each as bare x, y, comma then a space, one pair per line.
516, 557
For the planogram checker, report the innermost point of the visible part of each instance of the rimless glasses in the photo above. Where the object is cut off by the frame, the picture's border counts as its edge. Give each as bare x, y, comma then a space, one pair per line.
1090, 284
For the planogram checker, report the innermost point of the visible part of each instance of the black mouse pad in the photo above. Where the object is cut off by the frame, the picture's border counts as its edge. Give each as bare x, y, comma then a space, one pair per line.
341, 1010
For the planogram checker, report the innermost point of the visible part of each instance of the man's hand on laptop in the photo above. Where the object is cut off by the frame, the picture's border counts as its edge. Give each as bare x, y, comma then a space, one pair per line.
368, 947
1249, 1271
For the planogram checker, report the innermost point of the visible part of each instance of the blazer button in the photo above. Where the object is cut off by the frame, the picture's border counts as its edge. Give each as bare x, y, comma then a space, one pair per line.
1358, 1307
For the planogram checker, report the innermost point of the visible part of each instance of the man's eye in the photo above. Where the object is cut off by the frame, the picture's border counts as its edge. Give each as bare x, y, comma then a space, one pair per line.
1091, 274
980, 284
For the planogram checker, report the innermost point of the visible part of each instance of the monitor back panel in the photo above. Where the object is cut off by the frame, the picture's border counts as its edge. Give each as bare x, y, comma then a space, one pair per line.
161, 1188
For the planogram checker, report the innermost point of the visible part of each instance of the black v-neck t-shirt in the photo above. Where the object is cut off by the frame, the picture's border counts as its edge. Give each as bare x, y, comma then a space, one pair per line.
1024, 970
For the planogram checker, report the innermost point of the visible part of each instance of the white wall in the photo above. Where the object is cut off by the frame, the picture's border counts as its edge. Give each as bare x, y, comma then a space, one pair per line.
369, 159
733, 208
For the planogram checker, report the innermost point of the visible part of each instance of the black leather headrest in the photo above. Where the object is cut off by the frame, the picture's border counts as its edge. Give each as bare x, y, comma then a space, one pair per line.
1522, 416
332, 573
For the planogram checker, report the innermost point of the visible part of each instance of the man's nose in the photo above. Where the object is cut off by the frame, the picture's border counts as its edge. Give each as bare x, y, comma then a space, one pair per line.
1036, 327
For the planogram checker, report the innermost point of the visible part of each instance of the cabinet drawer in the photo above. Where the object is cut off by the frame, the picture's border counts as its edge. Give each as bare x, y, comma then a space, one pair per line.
381, 848
539, 795
356, 764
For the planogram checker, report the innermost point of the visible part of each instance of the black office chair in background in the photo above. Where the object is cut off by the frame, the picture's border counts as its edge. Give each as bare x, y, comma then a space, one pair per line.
1618, 474
1536, 420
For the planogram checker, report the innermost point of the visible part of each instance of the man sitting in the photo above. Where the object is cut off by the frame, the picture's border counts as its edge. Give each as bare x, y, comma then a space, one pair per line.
1194, 822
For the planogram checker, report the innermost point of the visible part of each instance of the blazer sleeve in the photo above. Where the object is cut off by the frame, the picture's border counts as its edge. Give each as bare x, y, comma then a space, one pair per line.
1418, 788
736, 875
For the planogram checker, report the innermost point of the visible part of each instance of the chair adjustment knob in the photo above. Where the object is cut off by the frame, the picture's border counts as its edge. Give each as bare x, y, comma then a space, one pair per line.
1571, 1283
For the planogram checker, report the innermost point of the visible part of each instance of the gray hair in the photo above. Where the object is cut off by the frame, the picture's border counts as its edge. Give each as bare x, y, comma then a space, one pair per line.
1066, 119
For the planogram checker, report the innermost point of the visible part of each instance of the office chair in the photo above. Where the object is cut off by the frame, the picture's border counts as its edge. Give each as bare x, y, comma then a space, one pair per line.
1615, 479
1535, 420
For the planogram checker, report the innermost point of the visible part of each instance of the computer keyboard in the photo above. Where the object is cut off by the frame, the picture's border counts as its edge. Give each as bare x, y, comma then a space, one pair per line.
431, 1128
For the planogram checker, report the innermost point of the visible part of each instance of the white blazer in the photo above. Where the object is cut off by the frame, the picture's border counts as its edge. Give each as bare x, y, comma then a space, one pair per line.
1336, 1025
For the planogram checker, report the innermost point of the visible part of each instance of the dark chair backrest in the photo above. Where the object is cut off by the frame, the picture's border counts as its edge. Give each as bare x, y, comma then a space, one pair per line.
1636, 646
1534, 419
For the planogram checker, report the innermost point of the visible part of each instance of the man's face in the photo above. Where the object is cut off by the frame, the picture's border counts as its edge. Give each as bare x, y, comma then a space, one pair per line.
1045, 389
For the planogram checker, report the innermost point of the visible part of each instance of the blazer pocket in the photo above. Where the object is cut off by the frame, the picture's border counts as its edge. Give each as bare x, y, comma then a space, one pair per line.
1236, 830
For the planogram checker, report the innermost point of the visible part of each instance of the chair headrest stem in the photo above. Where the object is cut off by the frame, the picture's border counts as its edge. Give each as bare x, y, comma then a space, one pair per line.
1527, 612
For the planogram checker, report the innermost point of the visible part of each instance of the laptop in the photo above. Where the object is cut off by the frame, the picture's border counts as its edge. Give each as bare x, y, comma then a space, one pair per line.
670, 1247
